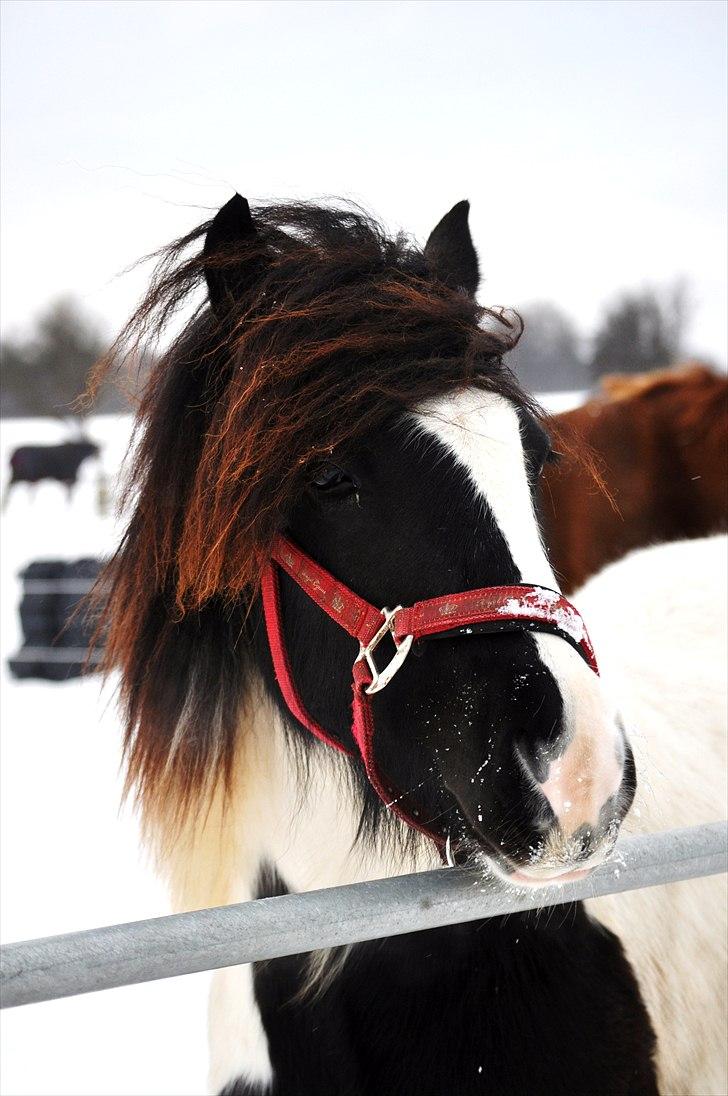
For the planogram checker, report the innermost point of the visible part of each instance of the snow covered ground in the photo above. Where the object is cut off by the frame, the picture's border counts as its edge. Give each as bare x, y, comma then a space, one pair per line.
69, 858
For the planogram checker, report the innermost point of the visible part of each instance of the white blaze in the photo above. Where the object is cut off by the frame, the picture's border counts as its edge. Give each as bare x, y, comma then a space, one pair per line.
481, 430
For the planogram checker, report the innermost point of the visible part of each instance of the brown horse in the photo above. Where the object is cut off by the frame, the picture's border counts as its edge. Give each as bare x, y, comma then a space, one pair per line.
659, 443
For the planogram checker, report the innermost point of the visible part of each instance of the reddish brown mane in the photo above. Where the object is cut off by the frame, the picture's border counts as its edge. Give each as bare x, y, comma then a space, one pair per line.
660, 441
340, 328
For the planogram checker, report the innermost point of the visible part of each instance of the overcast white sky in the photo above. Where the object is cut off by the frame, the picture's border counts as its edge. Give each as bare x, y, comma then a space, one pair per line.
590, 137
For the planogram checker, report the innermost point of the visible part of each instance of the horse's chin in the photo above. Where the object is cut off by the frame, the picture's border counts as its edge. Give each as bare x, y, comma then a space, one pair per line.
541, 877
546, 873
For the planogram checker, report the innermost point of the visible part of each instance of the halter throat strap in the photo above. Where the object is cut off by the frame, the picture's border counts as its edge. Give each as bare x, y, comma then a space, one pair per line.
489, 609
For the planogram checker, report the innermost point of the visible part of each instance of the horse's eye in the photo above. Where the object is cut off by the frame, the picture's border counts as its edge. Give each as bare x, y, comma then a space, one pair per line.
331, 479
552, 457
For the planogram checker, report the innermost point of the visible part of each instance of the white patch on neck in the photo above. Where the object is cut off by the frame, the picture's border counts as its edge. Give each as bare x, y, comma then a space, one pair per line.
306, 831
482, 432
238, 1043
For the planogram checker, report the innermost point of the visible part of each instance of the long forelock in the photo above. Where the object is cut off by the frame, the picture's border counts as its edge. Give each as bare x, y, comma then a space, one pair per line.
342, 327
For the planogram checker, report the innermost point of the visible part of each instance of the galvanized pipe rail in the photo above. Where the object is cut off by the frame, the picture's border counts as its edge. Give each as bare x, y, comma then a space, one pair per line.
58, 654
82, 962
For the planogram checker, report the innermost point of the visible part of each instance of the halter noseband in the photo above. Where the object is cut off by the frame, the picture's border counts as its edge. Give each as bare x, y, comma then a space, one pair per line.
490, 609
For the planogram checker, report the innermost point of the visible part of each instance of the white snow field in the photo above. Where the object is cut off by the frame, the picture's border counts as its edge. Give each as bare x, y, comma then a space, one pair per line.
69, 859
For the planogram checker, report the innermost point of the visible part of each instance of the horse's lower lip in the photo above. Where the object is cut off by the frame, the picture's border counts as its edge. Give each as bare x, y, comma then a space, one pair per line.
506, 869
522, 878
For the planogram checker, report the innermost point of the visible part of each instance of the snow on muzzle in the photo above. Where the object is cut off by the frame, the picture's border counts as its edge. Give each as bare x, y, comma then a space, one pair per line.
586, 774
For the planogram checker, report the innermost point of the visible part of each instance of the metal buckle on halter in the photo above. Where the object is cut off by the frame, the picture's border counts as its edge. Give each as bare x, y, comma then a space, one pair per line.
379, 680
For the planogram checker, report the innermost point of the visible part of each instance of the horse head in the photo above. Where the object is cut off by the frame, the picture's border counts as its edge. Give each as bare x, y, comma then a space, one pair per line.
345, 388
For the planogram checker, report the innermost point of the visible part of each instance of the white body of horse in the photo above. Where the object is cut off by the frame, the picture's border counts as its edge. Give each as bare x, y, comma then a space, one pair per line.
658, 622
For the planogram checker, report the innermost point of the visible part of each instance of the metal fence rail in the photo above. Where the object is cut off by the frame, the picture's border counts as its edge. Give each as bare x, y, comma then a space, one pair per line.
142, 951
58, 654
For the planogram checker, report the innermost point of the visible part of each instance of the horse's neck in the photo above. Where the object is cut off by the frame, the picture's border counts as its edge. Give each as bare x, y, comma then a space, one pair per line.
300, 818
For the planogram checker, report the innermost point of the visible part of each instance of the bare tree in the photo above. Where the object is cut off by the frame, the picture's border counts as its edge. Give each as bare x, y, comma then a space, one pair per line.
548, 356
642, 330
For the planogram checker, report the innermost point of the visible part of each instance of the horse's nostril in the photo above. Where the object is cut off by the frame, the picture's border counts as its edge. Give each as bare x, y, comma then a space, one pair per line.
535, 761
583, 842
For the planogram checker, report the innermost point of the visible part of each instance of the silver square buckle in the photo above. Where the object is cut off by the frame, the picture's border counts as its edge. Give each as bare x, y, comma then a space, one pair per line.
379, 680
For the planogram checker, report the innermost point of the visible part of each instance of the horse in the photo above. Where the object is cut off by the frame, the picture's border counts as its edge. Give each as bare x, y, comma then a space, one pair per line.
660, 444
335, 430
33, 463
669, 675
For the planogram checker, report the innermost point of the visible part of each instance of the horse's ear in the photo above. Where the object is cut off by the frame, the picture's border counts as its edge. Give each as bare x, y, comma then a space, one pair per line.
450, 251
227, 278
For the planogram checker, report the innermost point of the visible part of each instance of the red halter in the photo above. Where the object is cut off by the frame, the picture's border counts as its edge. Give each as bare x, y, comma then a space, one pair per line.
491, 609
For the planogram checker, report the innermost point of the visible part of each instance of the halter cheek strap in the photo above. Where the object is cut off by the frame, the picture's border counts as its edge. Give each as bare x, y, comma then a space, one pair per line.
490, 609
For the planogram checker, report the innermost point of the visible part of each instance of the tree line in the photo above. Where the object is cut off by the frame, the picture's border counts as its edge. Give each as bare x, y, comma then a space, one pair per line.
638, 331
45, 371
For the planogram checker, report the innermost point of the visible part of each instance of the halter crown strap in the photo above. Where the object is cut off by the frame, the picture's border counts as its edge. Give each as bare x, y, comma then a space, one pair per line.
492, 608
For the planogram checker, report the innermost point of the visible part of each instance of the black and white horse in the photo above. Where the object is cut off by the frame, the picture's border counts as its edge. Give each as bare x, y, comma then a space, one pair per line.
345, 388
